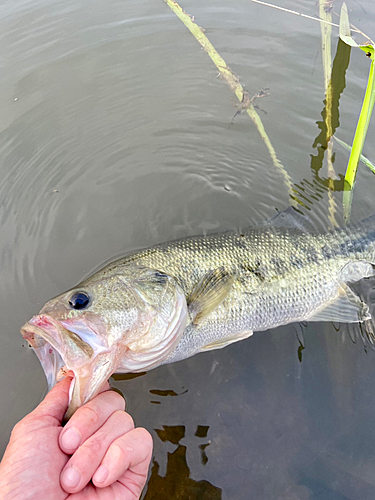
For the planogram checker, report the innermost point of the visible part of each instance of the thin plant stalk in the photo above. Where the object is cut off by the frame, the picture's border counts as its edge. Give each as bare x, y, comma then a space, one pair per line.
362, 158
326, 31
300, 14
231, 79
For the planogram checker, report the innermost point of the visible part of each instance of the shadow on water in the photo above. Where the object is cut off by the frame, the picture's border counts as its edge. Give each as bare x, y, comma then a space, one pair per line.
177, 482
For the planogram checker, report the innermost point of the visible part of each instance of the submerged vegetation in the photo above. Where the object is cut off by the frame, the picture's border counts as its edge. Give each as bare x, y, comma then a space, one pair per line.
330, 111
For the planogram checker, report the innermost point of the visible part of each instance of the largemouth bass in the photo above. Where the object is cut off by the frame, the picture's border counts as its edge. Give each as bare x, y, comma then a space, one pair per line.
176, 299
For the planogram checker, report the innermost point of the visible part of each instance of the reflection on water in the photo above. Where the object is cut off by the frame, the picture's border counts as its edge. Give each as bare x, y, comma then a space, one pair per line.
127, 376
309, 192
166, 392
337, 86
177, 483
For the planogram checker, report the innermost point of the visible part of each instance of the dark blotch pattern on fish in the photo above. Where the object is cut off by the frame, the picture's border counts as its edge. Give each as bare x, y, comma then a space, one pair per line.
279, 265
296, 262
254, 269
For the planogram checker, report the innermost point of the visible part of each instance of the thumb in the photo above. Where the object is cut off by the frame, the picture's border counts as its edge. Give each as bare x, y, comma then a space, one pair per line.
56, 402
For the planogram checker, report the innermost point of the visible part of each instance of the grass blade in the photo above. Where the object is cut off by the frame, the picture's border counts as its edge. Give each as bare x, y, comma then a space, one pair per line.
362, 158
365, 114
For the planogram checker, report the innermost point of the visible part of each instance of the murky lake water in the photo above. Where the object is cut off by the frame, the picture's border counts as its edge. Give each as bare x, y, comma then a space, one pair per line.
116, 134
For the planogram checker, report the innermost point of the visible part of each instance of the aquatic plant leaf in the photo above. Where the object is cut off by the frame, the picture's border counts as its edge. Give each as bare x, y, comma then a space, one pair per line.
365, 115
362, 158
345, 31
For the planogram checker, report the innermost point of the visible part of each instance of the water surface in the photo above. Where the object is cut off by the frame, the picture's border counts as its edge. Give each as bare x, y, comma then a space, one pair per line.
116, 134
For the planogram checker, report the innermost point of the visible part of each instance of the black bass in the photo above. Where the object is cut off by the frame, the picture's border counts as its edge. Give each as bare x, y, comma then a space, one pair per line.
176, 299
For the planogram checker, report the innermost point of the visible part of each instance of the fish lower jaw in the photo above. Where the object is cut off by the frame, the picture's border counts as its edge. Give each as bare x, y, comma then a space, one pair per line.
45, 336
63, 372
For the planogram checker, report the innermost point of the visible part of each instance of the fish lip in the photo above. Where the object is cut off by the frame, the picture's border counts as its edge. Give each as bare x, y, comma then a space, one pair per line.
41, 326
45, 347
46, 336
55, 333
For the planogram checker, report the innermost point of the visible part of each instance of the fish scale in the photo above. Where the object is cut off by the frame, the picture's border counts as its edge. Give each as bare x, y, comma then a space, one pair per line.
175, 299
283, 275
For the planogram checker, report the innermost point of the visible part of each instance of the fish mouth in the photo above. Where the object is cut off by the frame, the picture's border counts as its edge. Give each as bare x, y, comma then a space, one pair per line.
60, 349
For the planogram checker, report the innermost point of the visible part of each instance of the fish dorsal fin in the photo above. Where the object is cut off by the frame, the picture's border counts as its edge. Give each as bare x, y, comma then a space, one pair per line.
209, 292
289, 218
346, 308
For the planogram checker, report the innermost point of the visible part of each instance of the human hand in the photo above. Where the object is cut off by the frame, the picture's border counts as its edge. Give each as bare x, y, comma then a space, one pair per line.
97, 455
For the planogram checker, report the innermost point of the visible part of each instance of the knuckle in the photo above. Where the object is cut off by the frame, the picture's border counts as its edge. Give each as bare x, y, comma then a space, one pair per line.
92, 447
143, 438
118, 450
24, 426
90, 414
118, 399
18, 429
124, 419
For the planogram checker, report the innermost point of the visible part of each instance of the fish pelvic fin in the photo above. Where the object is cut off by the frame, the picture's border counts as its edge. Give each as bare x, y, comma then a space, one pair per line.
346, 308
209, 292
219, 344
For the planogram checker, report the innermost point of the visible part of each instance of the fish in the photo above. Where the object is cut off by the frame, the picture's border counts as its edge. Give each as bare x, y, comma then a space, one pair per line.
173, 300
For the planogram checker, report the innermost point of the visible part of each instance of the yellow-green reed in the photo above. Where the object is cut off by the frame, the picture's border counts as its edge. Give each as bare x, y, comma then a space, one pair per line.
365, 114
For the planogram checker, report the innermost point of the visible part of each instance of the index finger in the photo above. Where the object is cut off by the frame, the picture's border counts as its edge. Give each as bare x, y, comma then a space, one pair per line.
55, 403
88, 419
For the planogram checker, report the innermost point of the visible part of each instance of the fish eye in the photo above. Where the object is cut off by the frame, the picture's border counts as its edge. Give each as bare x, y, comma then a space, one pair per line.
79, 300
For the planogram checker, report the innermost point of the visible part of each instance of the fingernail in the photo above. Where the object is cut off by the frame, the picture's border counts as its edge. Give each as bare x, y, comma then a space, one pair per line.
71, 438
101, 474
70, 477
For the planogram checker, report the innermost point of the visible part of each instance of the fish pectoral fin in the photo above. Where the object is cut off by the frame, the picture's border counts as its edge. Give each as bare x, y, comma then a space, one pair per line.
209, 292
356, 270
219, 344
346, 308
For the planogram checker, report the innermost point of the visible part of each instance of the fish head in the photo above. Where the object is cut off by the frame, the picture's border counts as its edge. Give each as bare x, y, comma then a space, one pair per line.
127, 321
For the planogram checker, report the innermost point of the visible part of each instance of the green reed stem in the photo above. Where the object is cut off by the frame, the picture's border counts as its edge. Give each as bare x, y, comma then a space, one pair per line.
365, 114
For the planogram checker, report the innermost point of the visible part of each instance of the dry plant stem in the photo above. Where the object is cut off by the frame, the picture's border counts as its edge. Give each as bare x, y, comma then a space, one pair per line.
326, 30
231, 79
